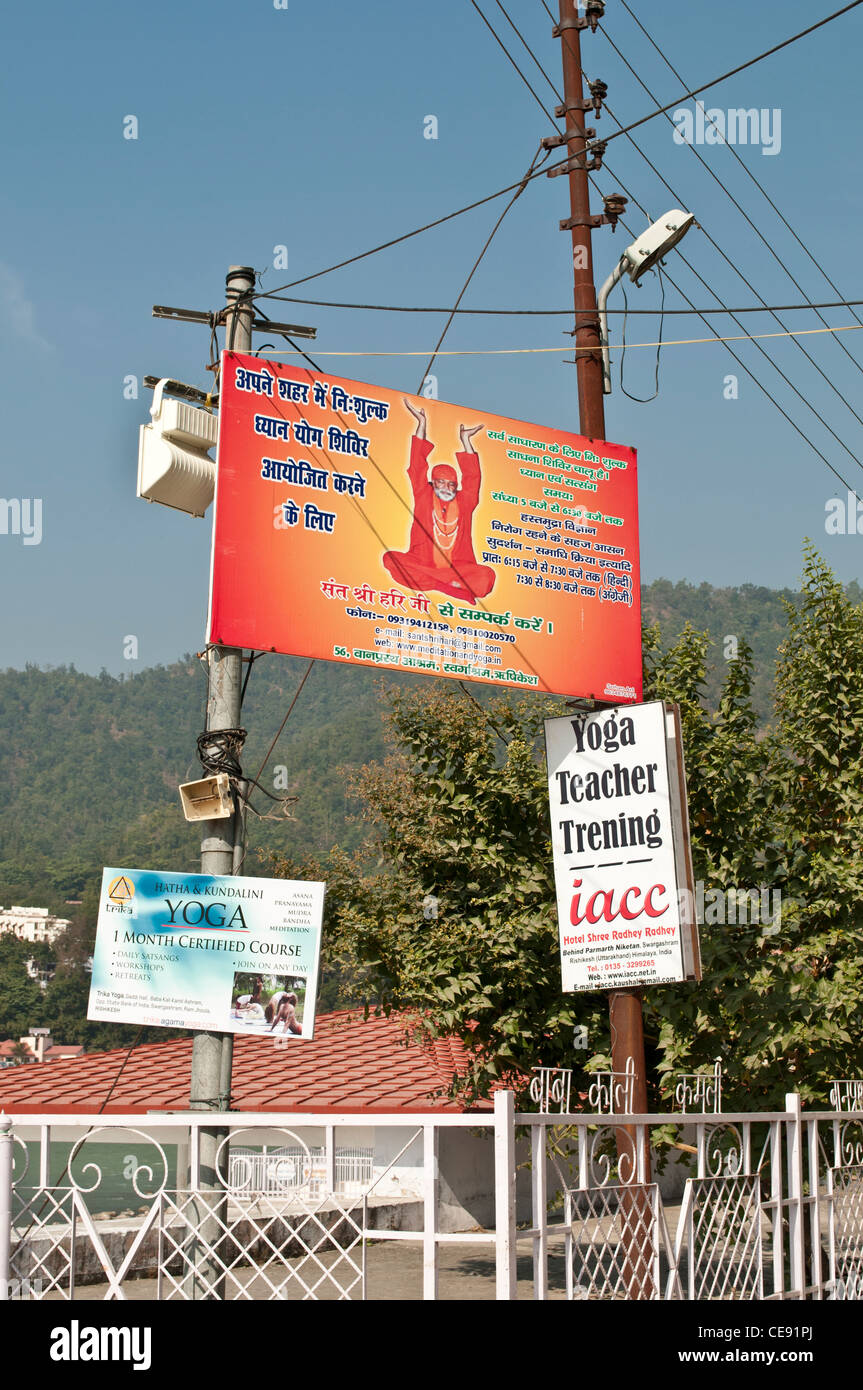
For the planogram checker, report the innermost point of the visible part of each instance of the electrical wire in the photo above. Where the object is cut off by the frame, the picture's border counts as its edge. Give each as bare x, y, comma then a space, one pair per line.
290, 710
751, 62
554, 313
500, 42
394, 241
643, 400
823, 457
753, 338
541, 156
754, 227
613, 347
752, 176
509, 188
624, 130
739, 360
219, 753
525, 43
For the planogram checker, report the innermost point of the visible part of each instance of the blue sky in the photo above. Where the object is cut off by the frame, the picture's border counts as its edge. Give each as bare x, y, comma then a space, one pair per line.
304, 127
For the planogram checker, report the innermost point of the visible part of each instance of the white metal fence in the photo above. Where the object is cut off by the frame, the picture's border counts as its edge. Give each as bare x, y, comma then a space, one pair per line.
696, 1206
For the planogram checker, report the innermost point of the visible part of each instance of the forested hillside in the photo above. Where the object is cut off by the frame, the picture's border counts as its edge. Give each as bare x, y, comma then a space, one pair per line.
93, 762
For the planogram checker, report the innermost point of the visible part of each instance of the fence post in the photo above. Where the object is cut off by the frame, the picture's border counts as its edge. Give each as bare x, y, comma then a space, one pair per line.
431, 1195
504, 1194
539, 1183
330, 1158
796, 1210
6, 1164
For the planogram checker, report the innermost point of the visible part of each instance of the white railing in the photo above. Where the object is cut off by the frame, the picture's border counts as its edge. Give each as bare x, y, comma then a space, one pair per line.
275, 1171
768, 1205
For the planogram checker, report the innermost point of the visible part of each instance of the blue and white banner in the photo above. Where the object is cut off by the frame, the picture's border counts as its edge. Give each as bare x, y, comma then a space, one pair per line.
232, 955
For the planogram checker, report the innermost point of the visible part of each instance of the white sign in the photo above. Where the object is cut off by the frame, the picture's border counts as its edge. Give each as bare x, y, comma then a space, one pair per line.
619, 833
235, 955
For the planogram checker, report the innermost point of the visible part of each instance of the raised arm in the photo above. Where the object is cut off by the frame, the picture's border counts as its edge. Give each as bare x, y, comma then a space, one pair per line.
420, 417
466, 435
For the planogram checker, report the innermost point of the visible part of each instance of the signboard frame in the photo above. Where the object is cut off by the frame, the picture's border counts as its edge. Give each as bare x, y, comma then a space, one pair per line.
529, 578
207, 952
597, 960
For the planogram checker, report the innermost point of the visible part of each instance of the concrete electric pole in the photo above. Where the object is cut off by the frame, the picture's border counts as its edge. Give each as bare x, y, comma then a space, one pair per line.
624, 1005
222, 841
221, 854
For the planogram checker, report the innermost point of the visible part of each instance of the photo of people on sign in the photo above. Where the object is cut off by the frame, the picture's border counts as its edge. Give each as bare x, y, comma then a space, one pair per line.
354, 523
269, 1003
621, 859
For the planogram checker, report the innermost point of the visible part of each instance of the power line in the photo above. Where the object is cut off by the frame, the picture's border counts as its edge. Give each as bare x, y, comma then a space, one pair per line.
524, 41
752, 176
624, 130
502, 45
622, 346
751, 62
522, 186
754, 227
395, 241
555, 313
509, 188
739, 360
750, 286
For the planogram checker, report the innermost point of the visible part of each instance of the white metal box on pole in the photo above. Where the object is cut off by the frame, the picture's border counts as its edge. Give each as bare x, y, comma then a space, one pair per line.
174, 466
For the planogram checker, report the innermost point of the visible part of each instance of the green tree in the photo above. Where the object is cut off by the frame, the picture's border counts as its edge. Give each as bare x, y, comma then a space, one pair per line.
20, 997
450, 904
779, 1003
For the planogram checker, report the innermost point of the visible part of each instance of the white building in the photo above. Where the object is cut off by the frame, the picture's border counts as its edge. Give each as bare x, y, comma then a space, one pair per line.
32, 923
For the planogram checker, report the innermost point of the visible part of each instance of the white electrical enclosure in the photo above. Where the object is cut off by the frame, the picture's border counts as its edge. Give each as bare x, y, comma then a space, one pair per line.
174, 466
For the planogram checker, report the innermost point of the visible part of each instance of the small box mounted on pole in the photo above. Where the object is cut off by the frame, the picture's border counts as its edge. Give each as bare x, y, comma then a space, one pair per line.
174, 466
207, 799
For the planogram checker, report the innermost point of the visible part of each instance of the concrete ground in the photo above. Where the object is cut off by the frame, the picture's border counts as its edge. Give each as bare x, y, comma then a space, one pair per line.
394, 1272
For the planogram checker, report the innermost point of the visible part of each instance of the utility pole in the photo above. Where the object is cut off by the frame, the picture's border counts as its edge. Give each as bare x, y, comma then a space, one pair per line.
221, 851
222, 843
588, 356
624, 1005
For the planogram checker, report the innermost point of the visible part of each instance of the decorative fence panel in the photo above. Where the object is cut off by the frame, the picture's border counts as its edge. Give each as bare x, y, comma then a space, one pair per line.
700, 1206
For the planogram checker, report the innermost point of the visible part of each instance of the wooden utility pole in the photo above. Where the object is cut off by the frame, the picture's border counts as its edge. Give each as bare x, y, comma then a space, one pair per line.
625, 1010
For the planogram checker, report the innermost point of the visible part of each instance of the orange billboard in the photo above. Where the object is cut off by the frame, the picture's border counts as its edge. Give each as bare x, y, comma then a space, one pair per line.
354, 523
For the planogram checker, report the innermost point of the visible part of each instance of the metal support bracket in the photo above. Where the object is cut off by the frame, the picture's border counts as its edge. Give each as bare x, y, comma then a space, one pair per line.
551, 142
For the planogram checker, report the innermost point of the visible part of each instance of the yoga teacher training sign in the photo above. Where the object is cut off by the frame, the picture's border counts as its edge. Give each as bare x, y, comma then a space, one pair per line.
358, 524
232, 955
620, 841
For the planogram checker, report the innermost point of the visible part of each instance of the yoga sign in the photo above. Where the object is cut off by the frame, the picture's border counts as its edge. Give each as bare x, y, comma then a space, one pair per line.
234, 955
358, 524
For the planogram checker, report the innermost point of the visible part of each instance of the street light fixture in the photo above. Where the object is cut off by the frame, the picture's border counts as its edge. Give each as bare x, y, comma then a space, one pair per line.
644, 253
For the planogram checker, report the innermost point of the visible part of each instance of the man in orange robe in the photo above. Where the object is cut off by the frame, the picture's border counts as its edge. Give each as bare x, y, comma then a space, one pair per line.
440, 555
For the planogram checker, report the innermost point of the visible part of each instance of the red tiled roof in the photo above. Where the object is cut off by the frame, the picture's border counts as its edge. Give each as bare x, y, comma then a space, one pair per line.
350, 1066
